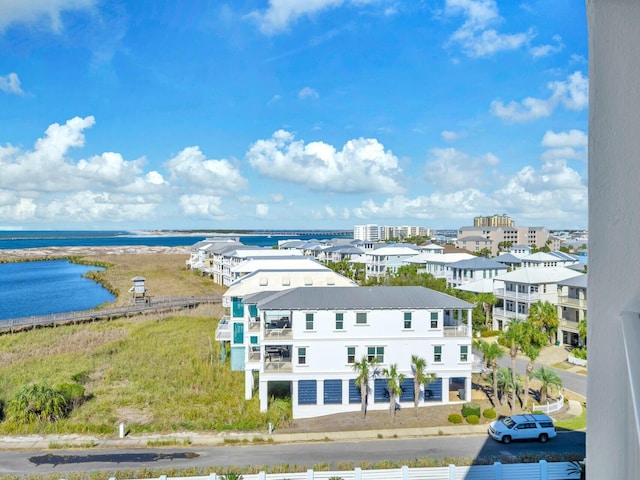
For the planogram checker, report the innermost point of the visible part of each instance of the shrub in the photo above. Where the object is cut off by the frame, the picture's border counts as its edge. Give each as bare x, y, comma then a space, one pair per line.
37, 403
580, 353
455, 418
73, 393
489, 413
473, 419
470, 409
490, 333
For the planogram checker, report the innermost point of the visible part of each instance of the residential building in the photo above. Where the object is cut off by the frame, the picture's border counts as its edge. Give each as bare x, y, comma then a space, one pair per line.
310, 338
518, 289
436, 264
493, 221
473, 269
495, 237
549, 259
260, 275
572, 309
387, 259
368, 233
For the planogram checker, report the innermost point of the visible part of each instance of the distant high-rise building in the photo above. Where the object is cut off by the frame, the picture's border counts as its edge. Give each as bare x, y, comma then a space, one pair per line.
493, 221
375, 233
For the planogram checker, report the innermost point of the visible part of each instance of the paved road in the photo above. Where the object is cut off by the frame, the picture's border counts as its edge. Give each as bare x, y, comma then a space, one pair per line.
301, 454
575, 382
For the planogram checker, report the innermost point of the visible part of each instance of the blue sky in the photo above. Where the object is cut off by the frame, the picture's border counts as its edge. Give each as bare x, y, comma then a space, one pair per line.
168, 114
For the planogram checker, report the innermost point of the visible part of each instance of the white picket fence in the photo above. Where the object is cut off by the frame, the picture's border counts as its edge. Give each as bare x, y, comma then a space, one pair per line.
550, 407
542, 470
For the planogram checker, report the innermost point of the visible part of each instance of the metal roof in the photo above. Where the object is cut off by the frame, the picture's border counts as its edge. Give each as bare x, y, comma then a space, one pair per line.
369, 298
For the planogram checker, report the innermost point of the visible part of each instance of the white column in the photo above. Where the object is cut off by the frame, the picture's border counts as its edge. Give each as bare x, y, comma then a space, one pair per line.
263, 393
467, 389
248, 384
445, 389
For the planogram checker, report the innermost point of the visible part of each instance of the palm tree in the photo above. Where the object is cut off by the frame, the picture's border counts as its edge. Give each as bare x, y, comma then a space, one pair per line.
420, 377
532, 352
545, 317
549, 379
37, 403
507, 384
514, 338
394, 385
365, 369
486, 301
492, 352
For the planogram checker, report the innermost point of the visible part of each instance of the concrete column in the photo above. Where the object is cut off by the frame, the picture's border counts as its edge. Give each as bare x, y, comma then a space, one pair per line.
445, 389
263, 394
467, 389
248, 384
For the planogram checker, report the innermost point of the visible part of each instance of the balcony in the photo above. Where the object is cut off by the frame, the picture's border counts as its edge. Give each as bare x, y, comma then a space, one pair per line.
507, 314
566, 323
566, 301
254, 324
515, 295
278, 359
459, 330
277, 327
223, 330
254, 353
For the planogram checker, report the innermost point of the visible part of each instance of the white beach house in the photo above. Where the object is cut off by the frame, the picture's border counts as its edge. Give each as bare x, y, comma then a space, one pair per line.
309, 338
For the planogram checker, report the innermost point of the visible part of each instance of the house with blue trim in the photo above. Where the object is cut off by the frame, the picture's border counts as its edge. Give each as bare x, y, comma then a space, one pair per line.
308, 339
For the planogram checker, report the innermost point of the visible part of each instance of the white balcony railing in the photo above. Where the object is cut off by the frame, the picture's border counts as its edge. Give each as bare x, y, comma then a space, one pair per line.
566, 301
223, 330
460, 330
515, 295
506, 314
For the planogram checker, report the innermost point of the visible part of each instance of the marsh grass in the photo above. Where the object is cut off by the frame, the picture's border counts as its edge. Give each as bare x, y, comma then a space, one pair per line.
156, 374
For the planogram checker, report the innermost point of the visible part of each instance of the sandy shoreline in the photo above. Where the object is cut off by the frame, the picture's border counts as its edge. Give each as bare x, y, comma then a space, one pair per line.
53, 252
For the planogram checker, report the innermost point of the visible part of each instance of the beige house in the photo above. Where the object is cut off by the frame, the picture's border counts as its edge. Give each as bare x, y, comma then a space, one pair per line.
494, 236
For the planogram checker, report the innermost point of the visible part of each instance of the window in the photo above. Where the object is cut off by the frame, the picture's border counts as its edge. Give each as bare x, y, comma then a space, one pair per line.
407, 319
351, 355
309, 321
375, 353
339, 321
434, 319
437, 353
302, 356
361, 318
464, 350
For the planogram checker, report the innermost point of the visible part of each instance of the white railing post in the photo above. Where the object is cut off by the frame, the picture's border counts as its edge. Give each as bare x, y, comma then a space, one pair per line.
497, 470
213, 476
262, 476
310, 474
452, 472
404, 472
357, 473
544, 470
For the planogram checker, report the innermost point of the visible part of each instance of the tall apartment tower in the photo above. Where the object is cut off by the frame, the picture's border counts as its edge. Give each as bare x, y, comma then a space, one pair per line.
493, 221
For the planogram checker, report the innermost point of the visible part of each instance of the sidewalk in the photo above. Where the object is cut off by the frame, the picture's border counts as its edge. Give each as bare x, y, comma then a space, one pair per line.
36, 442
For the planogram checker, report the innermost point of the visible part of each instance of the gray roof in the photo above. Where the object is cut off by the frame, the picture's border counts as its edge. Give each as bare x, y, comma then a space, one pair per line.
475, 238
371, 298
508, 258
478, 263
580, 281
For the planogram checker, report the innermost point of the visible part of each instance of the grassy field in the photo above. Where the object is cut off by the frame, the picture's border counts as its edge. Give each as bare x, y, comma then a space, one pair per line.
156, 374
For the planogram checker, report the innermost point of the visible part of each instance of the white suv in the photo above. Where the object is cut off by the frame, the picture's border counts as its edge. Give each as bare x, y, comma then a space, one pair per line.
523, 427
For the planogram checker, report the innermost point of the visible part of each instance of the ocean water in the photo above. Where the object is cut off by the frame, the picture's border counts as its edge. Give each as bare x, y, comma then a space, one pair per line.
51, 286
42, 239
46, 287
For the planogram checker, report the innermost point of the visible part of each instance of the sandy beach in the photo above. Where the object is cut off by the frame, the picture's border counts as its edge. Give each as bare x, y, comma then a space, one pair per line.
59, 252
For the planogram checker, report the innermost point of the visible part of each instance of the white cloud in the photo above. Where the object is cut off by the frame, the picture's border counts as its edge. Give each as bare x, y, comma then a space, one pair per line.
361, 166
39, 11
451, 136
262, 210
204, 206
11, 84
190, 167
277, 198
87, 206
572, 138
308, 92
573, 94
571, 145
451, 169
280, 14
546, 50
475, 37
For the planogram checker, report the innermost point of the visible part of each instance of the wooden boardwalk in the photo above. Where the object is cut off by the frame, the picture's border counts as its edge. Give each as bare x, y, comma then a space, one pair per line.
155, 305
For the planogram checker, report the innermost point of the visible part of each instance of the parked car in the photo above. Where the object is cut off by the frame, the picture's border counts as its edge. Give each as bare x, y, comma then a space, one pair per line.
523, 427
